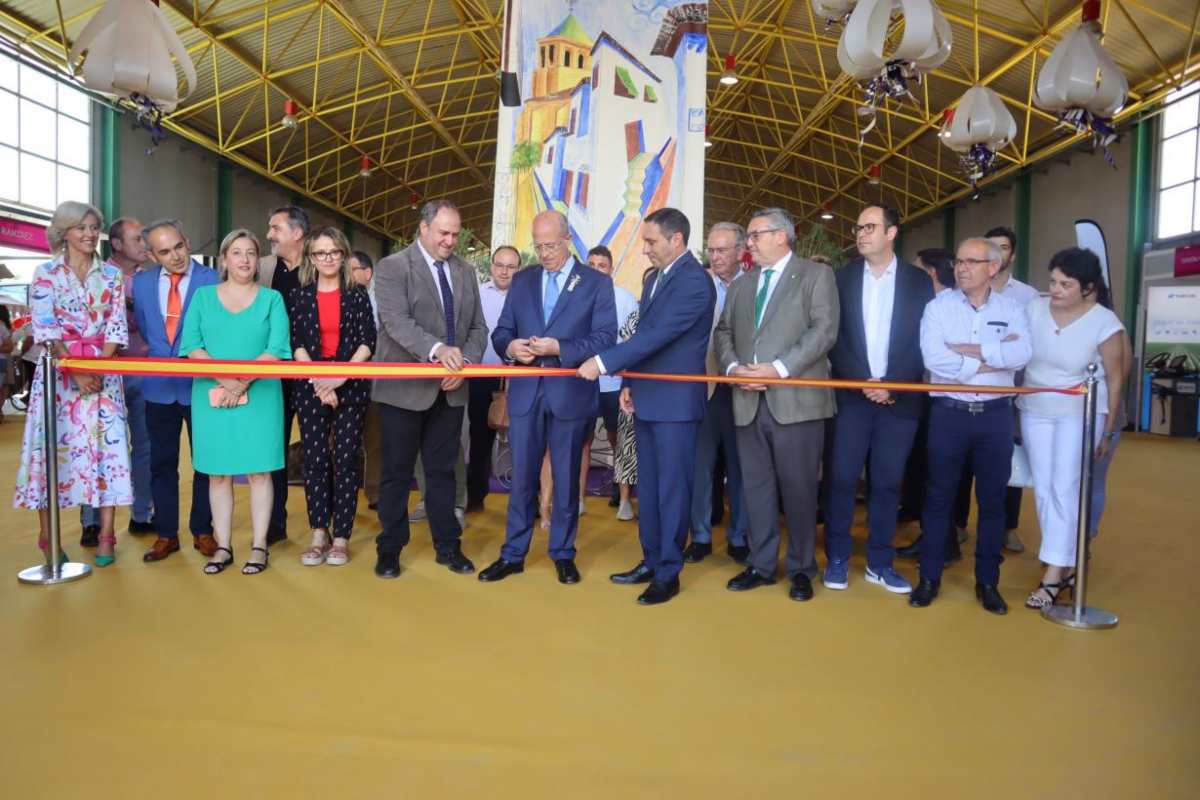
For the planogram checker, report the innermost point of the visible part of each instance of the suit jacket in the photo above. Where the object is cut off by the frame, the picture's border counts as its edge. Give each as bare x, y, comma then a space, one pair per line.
356, 327
584, 321
411, 322
848, 357
674, 322
149, 313
799, 326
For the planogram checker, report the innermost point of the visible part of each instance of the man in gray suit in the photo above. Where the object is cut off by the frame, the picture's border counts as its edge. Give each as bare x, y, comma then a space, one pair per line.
780, 320
429, 311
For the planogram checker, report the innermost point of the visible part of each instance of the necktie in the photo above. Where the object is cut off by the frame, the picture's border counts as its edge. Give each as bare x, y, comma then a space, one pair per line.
174, 307
551, 297
447, 301
760, 302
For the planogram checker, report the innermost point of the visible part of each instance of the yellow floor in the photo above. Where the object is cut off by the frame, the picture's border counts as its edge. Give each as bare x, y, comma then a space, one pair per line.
157, 681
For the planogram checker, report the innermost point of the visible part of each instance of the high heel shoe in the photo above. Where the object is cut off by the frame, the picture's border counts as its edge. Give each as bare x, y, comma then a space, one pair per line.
106, 560
1052, 590
44, 545
217, 567
255, 567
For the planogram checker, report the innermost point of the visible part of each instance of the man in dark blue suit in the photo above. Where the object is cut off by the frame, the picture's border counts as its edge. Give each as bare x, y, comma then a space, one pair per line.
879, 339
555, 315
674, 324
160, 301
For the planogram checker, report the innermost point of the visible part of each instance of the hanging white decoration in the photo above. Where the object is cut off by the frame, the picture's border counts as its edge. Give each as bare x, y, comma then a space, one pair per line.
1081, 82
833, 11
980, 126
924, 46
129, 46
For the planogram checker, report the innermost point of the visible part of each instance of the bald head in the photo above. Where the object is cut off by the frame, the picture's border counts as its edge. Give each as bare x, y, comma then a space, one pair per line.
550, 235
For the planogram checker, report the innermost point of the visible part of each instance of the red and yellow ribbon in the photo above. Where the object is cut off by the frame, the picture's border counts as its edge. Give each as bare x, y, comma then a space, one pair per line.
377, 370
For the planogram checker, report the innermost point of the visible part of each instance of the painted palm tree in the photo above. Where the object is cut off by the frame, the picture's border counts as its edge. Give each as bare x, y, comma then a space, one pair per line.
525, 156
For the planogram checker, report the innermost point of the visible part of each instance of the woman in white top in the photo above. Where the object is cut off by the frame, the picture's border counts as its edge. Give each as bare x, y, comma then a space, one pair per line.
1071, 329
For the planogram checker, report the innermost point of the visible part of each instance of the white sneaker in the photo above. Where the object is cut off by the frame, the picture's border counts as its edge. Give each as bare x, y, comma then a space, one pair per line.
625, 512
460, 514
418, 512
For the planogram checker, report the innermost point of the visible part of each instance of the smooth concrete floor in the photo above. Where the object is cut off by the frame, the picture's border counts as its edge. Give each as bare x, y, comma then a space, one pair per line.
158, 681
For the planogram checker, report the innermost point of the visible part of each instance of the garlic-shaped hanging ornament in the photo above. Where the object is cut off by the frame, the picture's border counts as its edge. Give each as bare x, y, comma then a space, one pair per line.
134, 61
1081, 82
924, 46
979, 127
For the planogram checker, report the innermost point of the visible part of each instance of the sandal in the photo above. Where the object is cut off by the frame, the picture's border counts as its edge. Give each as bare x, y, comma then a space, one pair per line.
217, 567
315, 555
108, 559
338, 555
255, 567
1052, 590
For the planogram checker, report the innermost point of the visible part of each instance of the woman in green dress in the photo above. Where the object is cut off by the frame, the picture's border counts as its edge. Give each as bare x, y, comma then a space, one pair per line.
238, 422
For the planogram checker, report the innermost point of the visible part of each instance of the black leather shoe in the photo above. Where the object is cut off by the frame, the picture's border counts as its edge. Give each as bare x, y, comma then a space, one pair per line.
500, 570
657, 593
739, 553
456, 561
924, 594
912, 551
276, 535
90, 536
387, 565
141, 528
747, 580
567, 571
696, 552
989, 596
474, 506
801, 588
639, 574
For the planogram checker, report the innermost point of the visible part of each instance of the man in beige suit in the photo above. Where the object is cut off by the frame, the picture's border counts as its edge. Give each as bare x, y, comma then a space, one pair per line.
780, 320
429, 311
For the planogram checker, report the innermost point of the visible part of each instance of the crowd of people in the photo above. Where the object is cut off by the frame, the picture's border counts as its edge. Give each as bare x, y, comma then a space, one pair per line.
756, 312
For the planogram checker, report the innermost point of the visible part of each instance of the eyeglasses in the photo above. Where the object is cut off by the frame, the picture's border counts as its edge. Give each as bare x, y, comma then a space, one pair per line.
327, 255
971, 262
547, 247
868, 229
754, 235
718, 251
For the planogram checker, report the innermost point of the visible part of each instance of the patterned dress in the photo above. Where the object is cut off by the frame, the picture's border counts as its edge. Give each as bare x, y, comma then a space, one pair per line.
625, 464
93, 442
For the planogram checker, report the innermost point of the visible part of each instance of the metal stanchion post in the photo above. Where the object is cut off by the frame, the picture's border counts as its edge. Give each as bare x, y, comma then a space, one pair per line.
1079, 614
52, 571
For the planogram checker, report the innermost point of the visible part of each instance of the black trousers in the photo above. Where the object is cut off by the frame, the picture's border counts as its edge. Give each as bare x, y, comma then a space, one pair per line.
479, 467
164, 423
278, 526
434, 434
332, 467
962, 502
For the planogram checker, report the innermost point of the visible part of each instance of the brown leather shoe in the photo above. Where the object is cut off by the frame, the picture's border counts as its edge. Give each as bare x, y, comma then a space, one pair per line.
161, 548
206, 544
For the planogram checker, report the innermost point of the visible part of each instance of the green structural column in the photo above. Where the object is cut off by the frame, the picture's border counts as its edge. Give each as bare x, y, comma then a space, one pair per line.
1141, 195
348, 229
1023, 199
948, 240
224, 202
107, 182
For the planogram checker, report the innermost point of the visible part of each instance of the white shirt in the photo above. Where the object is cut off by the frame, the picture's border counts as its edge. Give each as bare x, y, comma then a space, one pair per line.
1061, 356
438, 283
492, 300
1020, 293
626, 304
164, 289
772, 284
950, 319
878, 300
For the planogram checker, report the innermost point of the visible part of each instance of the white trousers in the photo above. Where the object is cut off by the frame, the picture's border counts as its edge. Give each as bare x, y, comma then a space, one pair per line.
1054, 446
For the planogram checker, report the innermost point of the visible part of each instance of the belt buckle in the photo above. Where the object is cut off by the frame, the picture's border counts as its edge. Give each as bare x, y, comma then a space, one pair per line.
975, 407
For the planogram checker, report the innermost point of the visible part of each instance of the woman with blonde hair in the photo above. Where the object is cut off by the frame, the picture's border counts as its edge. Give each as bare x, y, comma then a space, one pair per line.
77, 304
331, 321
238, 422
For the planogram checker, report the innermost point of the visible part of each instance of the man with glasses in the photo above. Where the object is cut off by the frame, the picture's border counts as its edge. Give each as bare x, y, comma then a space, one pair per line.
879, 339
555, 315
726, 245
970, 335
780, 321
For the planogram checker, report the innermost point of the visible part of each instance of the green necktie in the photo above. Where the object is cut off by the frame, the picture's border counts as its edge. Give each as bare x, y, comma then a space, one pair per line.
760, 302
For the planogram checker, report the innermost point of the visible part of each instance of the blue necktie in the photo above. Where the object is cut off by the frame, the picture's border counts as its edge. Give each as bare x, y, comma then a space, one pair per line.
447, 301
551, 297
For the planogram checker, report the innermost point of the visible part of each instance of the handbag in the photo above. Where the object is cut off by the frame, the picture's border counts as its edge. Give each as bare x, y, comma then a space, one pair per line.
1022, 475
497, 416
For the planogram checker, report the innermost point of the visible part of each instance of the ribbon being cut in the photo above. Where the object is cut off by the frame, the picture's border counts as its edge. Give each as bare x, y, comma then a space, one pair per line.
174, 367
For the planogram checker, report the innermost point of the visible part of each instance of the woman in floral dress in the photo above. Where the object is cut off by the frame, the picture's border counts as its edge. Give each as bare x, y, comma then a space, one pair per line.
77, 304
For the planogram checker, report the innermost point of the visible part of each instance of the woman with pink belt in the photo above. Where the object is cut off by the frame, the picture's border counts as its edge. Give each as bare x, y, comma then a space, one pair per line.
77, 305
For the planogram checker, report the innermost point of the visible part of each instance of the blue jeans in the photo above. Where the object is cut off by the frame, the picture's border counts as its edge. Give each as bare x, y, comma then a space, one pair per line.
716, 430
1099, 488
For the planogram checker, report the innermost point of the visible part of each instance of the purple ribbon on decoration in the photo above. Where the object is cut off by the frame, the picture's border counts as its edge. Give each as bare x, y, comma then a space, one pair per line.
892, 82
1100, 128
148, 116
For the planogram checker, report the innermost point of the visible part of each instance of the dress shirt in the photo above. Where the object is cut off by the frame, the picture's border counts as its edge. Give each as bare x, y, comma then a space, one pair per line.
137, 347
492, 299
1020, 293
437, 282
626, 305
374, 305
951, 319
164, 290
662, 276
878, 300
777, 272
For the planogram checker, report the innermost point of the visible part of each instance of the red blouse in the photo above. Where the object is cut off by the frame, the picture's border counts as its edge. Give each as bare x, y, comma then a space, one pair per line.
329, 313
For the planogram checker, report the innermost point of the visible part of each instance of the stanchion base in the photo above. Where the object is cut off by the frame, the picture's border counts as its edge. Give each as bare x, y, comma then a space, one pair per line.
1091, 619
44, 576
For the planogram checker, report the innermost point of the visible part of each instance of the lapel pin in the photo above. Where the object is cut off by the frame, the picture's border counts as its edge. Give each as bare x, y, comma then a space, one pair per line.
571, 284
